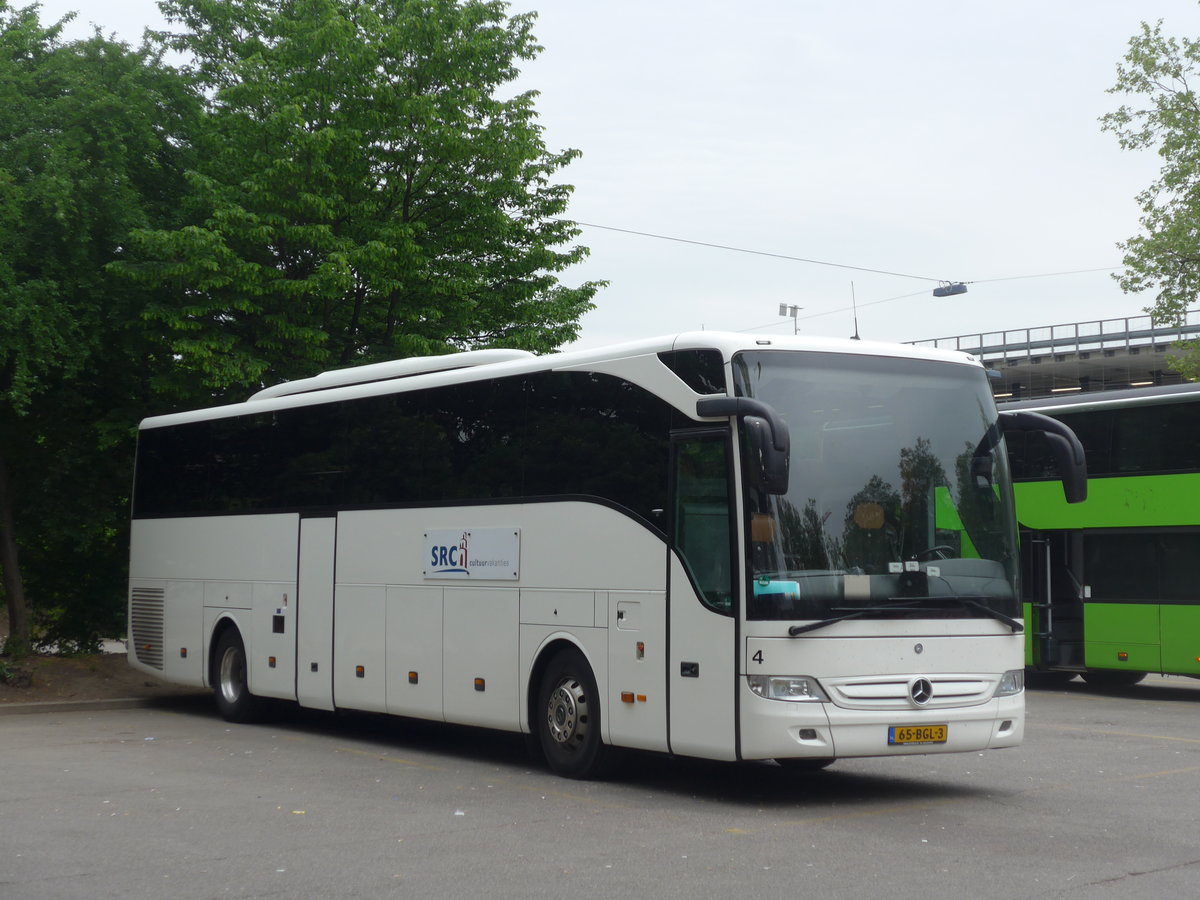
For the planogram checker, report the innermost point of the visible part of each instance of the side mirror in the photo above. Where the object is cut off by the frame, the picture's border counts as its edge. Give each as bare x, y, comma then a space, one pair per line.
768, 443
770, 465
1067, 450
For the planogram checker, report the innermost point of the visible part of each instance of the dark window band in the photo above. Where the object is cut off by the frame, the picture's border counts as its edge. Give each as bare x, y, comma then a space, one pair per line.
546, 434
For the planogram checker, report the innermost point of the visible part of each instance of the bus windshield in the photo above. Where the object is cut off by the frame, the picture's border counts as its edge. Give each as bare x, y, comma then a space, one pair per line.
899, 497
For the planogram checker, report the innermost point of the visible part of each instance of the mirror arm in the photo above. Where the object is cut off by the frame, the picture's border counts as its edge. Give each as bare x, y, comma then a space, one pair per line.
714, 407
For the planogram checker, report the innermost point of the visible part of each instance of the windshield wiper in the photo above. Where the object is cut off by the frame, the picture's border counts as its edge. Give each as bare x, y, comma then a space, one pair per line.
908, 604
904, 606
1012, 623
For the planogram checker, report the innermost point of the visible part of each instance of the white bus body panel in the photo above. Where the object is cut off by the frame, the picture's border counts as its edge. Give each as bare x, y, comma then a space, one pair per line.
273, 617
182, 620
314, 614
581, 565
206, 566
244, 549
637, 664
414, 661
481, 642
702, 704
359, 648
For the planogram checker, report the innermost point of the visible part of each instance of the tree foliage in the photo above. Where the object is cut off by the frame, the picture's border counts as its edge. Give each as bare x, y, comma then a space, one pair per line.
92, 146
326, 182
1165, 257
363, 190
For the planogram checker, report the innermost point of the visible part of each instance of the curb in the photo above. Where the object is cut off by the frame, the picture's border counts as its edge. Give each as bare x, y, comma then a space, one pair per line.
52, 706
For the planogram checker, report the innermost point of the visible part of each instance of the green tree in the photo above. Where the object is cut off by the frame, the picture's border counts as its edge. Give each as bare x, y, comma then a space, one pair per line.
92, 145
364, 190
1165, 256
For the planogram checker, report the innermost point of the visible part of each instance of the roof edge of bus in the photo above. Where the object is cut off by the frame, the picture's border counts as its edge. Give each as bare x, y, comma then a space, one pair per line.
821, 343
727, 341
385, 371
1080, 401
516, 361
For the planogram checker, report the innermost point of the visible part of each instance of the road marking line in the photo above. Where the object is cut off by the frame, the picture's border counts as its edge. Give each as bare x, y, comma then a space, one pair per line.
382, 757
1134, 734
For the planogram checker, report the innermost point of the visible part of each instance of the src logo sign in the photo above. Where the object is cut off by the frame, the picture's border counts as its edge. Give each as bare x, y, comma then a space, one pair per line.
451, 560
476, 553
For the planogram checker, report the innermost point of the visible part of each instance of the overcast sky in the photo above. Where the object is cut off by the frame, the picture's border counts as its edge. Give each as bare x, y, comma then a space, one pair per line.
944, 140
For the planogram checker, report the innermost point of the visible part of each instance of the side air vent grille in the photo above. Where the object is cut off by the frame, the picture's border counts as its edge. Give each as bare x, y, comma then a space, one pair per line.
146, 625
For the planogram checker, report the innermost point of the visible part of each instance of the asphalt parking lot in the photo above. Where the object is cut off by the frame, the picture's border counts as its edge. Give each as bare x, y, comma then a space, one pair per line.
170, 801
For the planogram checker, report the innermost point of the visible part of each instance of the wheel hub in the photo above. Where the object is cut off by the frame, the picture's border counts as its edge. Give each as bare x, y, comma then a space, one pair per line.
231, 675
566, 713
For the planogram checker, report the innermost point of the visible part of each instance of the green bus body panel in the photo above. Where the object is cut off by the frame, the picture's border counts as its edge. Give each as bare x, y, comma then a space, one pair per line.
1156, 638
1116, 623
1113, 628
1118, 502
1181, 639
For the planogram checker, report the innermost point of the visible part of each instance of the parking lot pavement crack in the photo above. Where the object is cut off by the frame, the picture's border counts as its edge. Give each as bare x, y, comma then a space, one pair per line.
1117, 879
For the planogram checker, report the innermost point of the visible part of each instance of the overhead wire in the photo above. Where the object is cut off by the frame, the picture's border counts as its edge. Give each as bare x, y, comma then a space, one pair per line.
1045, 275
815, 262
820, 262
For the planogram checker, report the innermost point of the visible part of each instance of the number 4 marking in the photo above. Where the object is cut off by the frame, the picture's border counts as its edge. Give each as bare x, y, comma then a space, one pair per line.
757, 657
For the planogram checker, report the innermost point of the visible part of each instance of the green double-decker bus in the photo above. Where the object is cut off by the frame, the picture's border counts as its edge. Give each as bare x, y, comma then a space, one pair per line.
1110, 585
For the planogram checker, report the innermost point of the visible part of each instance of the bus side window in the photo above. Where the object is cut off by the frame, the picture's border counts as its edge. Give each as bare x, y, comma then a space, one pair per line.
701, 518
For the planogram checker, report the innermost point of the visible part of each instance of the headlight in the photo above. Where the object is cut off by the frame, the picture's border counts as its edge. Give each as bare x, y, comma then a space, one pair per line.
796, 688
1011, 682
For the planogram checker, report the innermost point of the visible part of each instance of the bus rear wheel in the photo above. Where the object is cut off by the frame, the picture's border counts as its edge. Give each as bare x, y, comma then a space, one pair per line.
230, 686
567, 717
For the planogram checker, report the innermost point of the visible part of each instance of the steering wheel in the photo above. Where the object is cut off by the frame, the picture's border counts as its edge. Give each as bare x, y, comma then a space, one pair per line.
938, 551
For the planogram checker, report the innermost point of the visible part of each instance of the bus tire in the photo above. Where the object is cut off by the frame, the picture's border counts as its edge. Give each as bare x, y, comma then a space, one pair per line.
1113, 678
230, 685
567, 717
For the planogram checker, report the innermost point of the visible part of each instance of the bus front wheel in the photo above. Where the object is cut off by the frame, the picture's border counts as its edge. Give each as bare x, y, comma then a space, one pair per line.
567, 717
230, 686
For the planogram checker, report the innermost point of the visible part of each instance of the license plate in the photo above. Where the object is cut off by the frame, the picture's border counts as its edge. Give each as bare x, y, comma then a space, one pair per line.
918, 734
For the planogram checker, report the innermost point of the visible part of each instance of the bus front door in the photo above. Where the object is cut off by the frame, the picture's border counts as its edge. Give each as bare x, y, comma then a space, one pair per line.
702, 670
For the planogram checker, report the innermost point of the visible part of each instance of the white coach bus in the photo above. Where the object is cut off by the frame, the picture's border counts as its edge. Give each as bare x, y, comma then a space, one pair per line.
710, 545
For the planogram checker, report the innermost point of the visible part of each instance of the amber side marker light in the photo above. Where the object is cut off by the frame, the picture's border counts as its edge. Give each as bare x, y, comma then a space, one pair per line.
1123, 656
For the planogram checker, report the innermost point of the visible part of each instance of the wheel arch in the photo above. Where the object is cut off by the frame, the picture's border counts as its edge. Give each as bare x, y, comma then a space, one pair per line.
226, 622
550, 647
